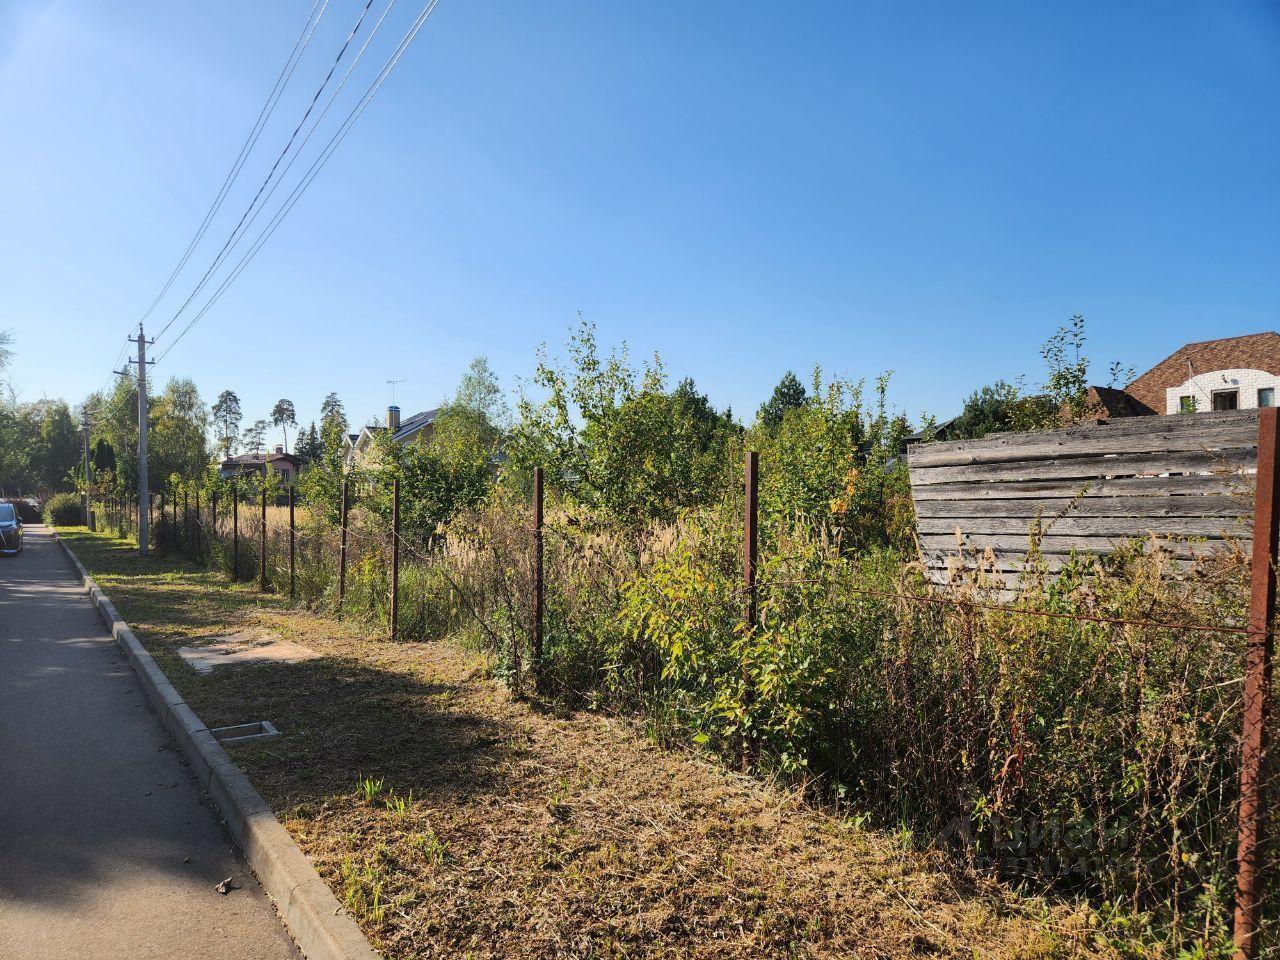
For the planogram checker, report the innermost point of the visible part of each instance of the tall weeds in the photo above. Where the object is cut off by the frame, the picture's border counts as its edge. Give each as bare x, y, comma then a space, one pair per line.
1040, 742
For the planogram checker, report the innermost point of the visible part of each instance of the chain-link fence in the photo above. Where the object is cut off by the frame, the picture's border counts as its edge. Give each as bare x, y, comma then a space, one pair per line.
1081, 738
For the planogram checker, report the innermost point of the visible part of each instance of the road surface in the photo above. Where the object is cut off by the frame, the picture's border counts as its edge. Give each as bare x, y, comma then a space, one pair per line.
106, 850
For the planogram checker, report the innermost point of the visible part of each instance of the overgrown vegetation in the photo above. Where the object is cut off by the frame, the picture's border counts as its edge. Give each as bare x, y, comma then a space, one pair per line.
64, 510
454, 820
1083, 758
1063, 398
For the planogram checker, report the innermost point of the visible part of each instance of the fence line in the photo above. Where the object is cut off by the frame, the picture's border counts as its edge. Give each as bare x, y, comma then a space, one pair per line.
1001, 608
1051, 458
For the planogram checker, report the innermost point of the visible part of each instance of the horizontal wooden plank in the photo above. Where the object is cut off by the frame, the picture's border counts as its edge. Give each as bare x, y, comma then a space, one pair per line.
1009, 563
1216, 505
1016, 545
1184, 484
997, 587
1133, 427
1107, 527
1084, 468
1161, 435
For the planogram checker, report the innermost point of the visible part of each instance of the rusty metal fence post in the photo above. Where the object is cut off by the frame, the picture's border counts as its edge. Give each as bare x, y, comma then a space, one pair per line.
199, 522
539, 587
751, 612
751, 534
213, 513
186, 519
262, 540
342, 544
293, 550
235, 531
395, 557
1257, 684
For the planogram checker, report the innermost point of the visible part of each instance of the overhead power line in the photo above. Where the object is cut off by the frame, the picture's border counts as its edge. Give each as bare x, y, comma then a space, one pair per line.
268, 108
314, 127
264, 114
310, 175
240, 226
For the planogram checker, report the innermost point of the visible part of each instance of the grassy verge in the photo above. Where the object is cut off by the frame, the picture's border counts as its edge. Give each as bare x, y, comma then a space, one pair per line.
455, 821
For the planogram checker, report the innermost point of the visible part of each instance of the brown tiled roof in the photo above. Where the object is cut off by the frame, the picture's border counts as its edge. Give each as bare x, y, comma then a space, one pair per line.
1254, 351
1112, 402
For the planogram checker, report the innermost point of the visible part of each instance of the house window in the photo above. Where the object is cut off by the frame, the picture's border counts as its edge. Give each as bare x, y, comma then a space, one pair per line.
1187, 404
1267, 396
1226, 399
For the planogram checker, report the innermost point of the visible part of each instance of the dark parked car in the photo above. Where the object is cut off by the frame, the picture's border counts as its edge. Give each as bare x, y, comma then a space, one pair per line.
10, 529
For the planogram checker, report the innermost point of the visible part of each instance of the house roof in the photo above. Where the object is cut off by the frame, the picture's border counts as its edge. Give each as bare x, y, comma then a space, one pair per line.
1254, 351
407, 429
257, 459
939, 431
1112, 402
415, 423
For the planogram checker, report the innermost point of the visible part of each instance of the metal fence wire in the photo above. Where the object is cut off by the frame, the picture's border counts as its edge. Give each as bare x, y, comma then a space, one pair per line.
1146, 781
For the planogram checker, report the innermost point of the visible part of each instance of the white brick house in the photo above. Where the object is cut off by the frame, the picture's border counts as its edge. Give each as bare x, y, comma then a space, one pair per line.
1232, 389
1231, 373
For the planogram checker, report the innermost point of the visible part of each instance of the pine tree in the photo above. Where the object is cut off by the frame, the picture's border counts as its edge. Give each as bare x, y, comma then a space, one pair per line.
789, 394
308, 446
283, 415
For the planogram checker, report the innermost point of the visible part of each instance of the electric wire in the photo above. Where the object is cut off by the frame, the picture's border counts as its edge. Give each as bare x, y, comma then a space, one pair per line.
240, 226
311, 173
307, 139
264, 115
314, 127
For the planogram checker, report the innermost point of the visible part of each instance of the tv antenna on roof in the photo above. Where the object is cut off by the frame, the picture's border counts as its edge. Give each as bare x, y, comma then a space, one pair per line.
392, 384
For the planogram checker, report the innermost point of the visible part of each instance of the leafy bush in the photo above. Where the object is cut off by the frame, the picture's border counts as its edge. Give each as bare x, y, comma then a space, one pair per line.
1091, 758
27, 510
617, 440
64, 510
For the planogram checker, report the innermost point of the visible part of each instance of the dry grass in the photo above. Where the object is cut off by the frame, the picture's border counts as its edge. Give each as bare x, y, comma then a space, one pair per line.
455, 821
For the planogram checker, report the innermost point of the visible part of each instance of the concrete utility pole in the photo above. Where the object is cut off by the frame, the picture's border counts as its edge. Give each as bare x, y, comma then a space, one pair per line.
84, 500
144, 491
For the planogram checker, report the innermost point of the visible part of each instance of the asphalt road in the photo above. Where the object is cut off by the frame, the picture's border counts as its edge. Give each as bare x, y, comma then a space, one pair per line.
106, 850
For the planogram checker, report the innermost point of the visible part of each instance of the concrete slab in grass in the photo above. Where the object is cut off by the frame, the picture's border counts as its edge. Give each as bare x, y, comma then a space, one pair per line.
247, 646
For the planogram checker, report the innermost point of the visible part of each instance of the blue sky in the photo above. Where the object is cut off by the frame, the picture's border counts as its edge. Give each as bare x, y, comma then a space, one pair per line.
928, 188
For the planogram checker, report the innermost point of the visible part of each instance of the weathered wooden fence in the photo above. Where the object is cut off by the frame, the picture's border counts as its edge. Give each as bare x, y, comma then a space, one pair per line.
1186, 481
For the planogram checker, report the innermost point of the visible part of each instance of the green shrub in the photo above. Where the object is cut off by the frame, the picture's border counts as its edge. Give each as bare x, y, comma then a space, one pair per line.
64, 510
28, 510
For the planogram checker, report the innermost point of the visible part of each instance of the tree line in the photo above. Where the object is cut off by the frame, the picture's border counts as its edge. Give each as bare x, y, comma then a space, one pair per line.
619, 436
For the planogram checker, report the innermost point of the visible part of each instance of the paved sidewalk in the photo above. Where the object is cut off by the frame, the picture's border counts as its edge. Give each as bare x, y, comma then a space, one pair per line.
106, 850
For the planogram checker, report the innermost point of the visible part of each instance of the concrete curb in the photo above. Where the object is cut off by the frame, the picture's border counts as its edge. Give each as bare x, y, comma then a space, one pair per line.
322, 929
